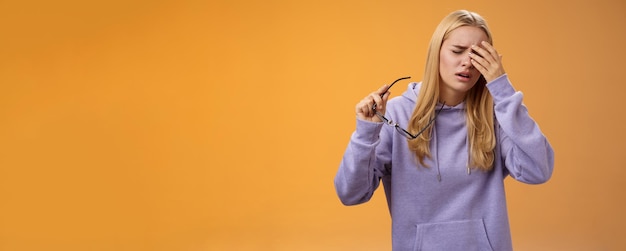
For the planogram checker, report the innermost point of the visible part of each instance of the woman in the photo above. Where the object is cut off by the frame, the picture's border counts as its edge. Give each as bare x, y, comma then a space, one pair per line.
467, 130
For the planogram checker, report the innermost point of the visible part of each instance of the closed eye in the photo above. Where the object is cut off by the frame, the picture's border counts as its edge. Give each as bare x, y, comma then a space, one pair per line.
458, 49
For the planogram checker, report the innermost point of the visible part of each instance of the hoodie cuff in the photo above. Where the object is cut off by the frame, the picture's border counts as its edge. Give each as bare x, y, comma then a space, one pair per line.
501, 88
367, 132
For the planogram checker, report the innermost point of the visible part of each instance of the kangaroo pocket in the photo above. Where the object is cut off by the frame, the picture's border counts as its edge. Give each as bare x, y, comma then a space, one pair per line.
464, 235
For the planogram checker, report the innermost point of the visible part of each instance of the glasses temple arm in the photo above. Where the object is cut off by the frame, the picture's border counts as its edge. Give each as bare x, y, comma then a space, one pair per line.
429, 122
386, 90
394, 82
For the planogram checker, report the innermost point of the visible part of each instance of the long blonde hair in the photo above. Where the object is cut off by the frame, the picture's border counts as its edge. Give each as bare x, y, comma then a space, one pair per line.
478, 100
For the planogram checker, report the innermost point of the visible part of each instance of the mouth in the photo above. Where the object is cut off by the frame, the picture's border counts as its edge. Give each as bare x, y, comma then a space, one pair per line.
463, 75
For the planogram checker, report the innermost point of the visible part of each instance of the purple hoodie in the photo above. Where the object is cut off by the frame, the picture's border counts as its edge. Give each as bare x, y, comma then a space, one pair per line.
462, 210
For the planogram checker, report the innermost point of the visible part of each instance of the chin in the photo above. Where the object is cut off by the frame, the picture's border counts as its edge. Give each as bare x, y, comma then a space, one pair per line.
458, 86
463, 86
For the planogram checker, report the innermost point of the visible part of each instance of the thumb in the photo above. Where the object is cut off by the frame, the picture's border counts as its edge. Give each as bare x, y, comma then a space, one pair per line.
384, 98
382, 90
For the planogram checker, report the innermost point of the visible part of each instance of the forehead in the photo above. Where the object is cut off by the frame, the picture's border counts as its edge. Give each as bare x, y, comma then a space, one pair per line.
466, 36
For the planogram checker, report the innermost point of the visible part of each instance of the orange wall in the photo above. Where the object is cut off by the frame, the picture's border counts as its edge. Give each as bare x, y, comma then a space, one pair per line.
187, 125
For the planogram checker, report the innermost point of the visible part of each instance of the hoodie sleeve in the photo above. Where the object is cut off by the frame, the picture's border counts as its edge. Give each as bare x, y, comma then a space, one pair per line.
363, 163
526, 152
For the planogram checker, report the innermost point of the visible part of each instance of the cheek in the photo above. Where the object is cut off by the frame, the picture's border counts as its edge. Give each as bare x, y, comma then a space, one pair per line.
476, 77
476, 73
444, 62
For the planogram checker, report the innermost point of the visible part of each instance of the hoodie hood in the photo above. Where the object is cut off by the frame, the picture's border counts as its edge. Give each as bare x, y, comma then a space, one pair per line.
412, 91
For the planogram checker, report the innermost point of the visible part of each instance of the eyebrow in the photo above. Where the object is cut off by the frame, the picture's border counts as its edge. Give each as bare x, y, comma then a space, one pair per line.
460, 47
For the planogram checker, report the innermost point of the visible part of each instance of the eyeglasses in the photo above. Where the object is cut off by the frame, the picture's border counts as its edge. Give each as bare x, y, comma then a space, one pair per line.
399, 129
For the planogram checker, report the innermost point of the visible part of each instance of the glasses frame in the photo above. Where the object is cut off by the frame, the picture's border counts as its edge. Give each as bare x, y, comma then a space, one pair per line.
398, 128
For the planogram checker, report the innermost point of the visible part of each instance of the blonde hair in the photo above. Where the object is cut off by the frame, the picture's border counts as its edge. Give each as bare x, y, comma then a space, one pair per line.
478, 100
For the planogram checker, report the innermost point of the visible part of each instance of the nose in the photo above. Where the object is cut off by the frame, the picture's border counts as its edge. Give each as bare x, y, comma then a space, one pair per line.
466, 62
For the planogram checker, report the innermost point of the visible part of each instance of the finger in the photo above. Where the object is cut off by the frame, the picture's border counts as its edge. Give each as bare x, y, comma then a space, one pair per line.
377, 100
386, 96
373, 102
367, 111
483, 53
479, 61
479, 65
492, 51
364, 109
382, 90
490, 48
383, 101
370, 104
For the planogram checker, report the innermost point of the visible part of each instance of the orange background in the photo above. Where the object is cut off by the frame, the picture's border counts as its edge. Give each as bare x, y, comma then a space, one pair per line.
219, 125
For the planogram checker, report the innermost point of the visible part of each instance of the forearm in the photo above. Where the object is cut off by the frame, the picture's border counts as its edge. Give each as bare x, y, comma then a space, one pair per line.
526, 151
358, 175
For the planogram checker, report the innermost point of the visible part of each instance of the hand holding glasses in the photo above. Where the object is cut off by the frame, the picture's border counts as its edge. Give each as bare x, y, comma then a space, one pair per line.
380, 97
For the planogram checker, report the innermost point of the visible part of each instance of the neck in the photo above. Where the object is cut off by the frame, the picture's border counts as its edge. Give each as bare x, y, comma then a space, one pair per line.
450, 97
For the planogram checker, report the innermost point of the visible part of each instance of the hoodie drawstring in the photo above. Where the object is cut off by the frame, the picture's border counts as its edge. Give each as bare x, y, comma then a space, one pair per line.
436, 154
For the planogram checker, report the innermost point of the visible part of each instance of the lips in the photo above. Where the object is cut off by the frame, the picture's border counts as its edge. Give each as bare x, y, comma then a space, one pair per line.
463, 75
